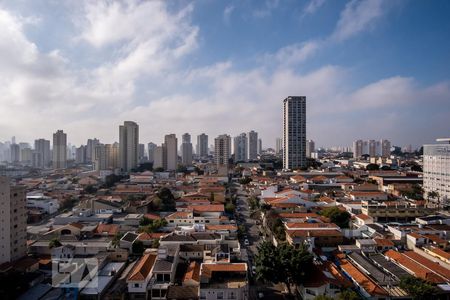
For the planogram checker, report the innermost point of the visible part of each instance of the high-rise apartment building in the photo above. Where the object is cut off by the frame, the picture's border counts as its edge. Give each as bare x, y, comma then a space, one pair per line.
106, 156
294, 132
259, 146
310, 148
158, 157
240, 145
59, 150
436, 169
80, 155
128, 145
372, 148
15, 153
186, 150
26, 156
41, 154
13, 221
90, 149
202, 145
151, 151
222, 149
141, 153
279, 146
252, 145
170, 152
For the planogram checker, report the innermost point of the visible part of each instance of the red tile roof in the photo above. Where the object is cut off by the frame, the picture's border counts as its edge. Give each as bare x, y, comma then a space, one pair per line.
143, 267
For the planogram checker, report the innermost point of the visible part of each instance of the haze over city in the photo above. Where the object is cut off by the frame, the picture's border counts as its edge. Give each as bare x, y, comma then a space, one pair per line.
370, 69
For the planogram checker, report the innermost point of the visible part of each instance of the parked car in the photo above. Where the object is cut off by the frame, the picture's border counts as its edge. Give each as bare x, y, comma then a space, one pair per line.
246, 242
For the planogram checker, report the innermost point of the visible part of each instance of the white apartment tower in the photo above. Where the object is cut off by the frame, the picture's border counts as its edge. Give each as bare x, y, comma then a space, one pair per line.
128, 145
310, 148
202, 145
252, 145
436, 169
13, 221
59, 150
186, 150
222, 149
171, 152
294, 132
240, 148
15, 153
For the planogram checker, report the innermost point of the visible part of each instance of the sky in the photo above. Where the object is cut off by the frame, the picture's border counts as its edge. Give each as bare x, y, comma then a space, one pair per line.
370, 69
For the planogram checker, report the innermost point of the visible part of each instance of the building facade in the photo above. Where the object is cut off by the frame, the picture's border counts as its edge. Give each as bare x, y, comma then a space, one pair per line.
310, 148
294, 132
372, 148
151, 151
59, 150
128, 145
13, 220
41, 154
186, 150
171, 152
222, 149
202, 146
252, 145
436, 169
240, 143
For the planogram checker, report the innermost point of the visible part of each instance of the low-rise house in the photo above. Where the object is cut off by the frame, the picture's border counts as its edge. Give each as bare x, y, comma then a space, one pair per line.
42, 203
223, 281
163, 272
140, 276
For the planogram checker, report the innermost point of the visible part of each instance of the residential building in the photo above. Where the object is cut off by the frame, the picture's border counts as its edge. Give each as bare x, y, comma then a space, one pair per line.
15, 153
41, 155
222, 149
310, 148
158, 157
90, 149
372, 148
151, 151
294, 132
59, 150
170, 152
357, 148
223, 281
106, 156
186, 150
279, 146
252, 145
26, 156
436, 169
13, 221
259, 146
240, 148
128, 145
80, 156
202, 145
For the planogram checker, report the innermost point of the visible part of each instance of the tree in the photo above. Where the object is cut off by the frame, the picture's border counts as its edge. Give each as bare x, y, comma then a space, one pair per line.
155, 243
372, 167
245, 180
116, 239
159, 169
145, 221
337, 216
283, 264
112, 179
323, 297
153, 226
167, 199
54, 243
230, 208
138, 247
348, 295
417, 287
90, 189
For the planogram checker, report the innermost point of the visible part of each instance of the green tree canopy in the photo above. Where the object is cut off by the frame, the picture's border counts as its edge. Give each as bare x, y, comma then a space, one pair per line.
282, 264
138, 247
418, 288
372, 167
337, 216
167, 199
54, 243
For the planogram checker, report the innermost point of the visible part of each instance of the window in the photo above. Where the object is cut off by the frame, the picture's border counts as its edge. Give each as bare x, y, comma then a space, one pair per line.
136, 285
219, 295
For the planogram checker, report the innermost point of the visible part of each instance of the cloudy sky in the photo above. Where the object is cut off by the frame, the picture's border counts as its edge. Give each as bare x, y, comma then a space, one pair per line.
369, 68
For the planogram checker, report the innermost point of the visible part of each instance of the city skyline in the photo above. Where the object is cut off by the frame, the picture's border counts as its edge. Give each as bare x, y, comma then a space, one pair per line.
185, 71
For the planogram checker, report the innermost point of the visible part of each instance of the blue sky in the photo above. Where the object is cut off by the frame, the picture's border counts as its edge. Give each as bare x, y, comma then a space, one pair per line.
370, 69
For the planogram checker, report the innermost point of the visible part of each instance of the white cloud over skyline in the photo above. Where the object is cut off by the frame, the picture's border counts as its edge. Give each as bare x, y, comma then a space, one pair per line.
147, 74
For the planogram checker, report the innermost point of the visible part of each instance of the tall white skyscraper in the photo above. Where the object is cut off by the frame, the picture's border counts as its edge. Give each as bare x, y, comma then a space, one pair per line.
436, 169
171, 152
240, 145
59, 150
202, 145
222, 149
186, 150
310, 147
252, 145
294, 132
41, 154
151, 151
13, 221
128, 145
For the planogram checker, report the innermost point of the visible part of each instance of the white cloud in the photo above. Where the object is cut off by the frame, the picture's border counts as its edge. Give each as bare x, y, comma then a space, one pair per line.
358, 16
227, 13
313, 6
266, 9
296, 53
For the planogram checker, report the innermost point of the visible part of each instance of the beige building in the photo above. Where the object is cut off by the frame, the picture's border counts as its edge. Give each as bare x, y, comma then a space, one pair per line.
106, 157
13, 221
222, 149
128, 145
171, 152
59, 150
